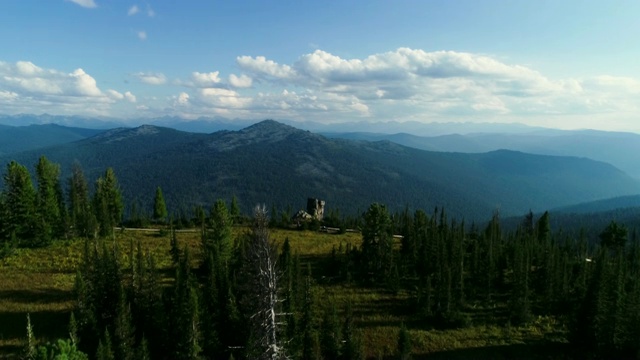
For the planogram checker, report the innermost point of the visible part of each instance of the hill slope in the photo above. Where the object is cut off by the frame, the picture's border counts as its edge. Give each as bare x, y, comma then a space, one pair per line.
22, 138
277, 164
619, 149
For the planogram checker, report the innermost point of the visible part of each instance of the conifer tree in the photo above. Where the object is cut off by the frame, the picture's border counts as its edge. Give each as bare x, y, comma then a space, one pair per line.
234, 210
220, 234
48, 204
20, 204
377, 243
404, 343
81, 217
108, 203
261, 261
351, 343
330, 337
105, 349
184, 324
159, 206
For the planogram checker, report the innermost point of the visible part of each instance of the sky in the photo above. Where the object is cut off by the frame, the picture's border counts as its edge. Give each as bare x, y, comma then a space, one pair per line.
567, 64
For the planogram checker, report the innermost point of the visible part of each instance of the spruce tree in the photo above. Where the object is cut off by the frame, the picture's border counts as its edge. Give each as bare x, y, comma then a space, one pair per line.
80, 215
48, 203
20, 204
159, 207
108, 203
330, 336
234, 210
377, 243
404, 343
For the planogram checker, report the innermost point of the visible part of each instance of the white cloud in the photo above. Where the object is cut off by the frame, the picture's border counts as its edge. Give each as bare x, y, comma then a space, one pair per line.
151, 78
242, 81
182, 99
409, 84
150, 12
142, 35
6, 96
223, 98
27, 68
205, 79
29, 88
115, 95
130, 97
85, 3
84, 84
262, 67
133, 10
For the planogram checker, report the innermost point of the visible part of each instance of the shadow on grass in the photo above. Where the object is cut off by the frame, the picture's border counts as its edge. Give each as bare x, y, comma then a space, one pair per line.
47, 326
503, 352
42, 296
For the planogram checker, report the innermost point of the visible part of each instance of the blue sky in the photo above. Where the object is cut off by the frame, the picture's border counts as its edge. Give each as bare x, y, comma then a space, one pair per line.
566, 64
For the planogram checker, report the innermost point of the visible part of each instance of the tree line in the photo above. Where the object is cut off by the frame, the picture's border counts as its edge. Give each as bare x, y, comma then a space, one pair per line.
243, 298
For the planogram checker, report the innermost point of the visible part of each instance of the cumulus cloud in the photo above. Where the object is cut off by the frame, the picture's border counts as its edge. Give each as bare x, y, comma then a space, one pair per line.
151, 78
133, 10
27, 87
412, 84
223, 98
205, 79
150, 12
130, 97
84, 3
142, 35
183, 98
242, 81
262, 67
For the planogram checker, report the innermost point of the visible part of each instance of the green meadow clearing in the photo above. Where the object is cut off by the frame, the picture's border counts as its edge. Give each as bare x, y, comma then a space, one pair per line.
39, 282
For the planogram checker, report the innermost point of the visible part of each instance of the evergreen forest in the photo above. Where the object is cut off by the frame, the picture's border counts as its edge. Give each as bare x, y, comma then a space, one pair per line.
220, 283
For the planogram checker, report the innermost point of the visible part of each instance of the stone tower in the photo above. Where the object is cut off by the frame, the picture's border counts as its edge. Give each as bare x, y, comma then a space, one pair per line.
315, 208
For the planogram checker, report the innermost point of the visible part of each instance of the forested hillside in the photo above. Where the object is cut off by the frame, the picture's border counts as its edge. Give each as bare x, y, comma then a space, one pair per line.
616, 148
418, 284
281, 166
15, 139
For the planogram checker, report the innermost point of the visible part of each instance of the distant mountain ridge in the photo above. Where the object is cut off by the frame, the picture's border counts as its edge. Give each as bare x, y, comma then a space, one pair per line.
22, 138
616, 148
276, 164
619, 149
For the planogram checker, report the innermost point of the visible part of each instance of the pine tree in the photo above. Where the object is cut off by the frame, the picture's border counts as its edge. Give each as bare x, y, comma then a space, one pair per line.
20, 204
404, 343
377, 243
234, 210
159, 206
48, 203
30, 348
184, 324
351, 343
81, 217
105, 349
330, 337
261, 260
220, 234
107, 202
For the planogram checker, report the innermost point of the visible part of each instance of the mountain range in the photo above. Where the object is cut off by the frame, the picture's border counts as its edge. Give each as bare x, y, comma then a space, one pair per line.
279, 165
616, 148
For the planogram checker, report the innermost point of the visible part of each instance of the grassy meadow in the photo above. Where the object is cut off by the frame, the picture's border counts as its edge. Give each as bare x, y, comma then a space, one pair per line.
39, 282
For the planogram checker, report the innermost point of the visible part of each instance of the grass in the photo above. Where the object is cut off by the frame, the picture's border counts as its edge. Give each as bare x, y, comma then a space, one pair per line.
40, 282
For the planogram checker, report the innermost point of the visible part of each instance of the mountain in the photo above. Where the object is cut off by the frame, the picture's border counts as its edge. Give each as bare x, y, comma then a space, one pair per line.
616, 148
63, 120
621, 202
280, 165
21, 138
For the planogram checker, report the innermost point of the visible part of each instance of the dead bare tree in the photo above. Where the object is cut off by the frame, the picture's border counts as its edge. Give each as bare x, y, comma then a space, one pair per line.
262, 255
